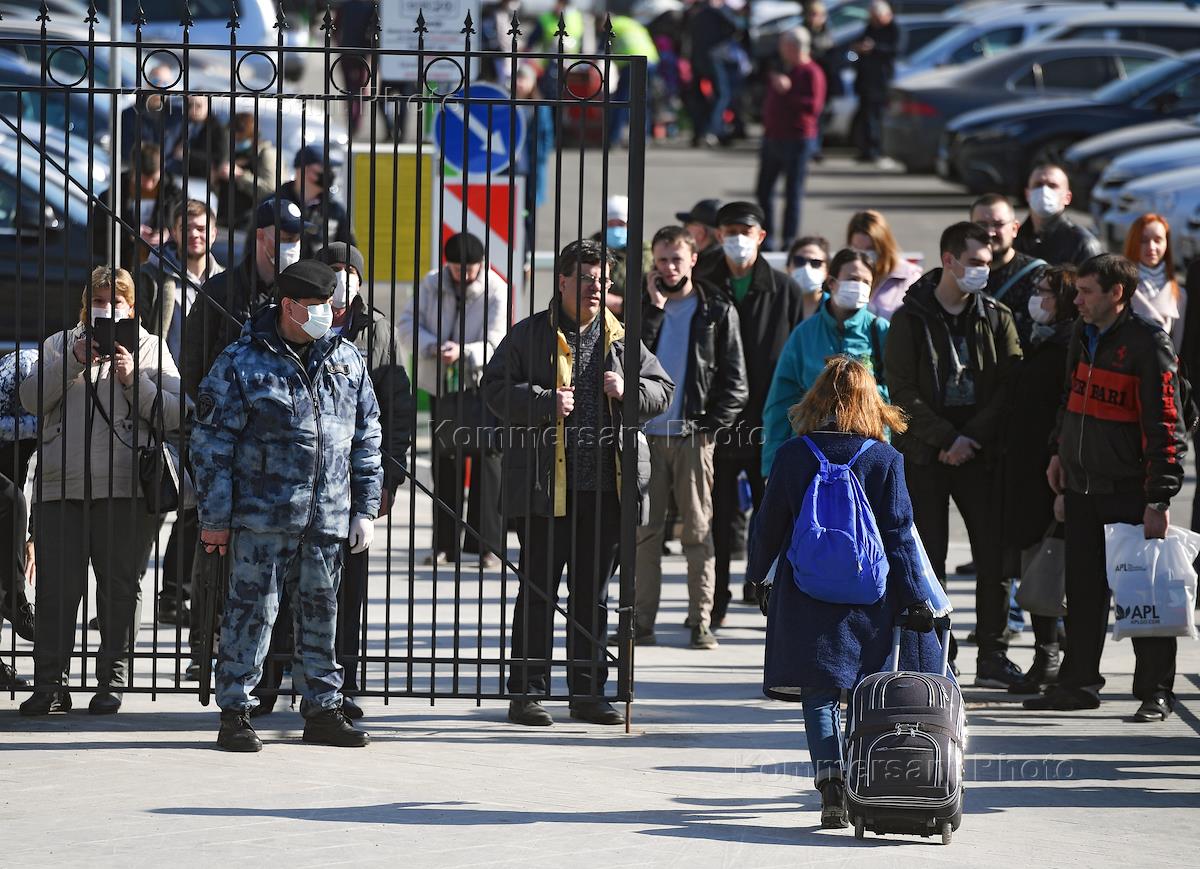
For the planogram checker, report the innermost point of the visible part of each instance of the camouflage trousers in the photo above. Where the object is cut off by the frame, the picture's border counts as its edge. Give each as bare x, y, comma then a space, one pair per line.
263, 567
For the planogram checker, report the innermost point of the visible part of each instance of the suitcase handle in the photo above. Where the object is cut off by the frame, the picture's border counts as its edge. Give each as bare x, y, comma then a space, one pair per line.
941, 624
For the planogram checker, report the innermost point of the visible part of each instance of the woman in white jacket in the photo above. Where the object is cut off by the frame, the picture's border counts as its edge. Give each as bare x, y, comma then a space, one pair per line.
94, 411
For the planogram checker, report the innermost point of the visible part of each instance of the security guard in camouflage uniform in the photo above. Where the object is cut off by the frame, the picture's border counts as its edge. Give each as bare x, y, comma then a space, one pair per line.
286, 452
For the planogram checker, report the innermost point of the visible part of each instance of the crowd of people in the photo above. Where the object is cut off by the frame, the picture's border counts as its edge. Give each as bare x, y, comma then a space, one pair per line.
291, 402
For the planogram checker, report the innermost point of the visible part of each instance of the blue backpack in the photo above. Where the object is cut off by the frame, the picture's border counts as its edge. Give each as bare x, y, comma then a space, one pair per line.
836, 553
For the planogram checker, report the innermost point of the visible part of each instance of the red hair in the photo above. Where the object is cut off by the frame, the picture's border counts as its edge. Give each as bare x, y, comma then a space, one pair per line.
1133, 247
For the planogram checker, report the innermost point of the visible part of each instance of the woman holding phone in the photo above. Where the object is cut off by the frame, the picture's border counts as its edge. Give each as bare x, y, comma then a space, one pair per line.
97, 404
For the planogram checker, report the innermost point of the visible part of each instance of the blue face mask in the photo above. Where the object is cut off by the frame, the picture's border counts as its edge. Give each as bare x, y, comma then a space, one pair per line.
617, 236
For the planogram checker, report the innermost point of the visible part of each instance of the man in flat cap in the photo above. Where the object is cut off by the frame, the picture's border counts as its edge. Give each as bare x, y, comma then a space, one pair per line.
285, 449
701, 222
452, 325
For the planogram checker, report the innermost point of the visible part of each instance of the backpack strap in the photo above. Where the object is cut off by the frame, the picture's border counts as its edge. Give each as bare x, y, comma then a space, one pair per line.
816, 452
1022, 272
866, 445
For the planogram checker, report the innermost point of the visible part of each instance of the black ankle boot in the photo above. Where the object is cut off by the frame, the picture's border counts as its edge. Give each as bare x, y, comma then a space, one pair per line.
237, 734
1044, 671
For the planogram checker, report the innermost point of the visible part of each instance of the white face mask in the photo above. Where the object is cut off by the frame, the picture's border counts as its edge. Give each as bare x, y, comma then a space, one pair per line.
119, 313
740, 248
1039, 314
345, 291
852, 295
1045, 201
974, 279
320, 318
287, 253
808, 278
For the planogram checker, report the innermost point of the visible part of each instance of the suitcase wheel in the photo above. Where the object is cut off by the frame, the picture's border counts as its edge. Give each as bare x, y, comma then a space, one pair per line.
860, 827
947, 832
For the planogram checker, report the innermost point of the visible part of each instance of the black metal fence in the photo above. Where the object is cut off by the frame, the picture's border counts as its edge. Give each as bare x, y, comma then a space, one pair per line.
218, 124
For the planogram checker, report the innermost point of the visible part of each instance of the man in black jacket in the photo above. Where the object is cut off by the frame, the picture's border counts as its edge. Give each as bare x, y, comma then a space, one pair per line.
556, 382
769, 305
1123, 388
1014, 275
379, 343
312, 190
876, 68
1049, 234
949, 354
695, 333
229, 299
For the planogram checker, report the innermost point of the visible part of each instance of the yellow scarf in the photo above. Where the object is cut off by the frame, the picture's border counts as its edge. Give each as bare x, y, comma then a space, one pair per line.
613, 330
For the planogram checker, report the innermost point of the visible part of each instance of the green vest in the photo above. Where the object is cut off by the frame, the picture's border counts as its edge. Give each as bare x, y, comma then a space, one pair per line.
572, 40
631, 38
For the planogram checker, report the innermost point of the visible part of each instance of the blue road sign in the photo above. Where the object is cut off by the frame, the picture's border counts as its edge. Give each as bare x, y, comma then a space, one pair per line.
495, 131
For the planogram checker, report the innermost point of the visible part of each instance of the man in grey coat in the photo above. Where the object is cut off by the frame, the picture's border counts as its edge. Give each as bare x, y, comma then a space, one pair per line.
557, 383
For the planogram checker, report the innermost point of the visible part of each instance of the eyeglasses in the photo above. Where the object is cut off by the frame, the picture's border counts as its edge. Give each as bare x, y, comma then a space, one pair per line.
593, 281
802, 261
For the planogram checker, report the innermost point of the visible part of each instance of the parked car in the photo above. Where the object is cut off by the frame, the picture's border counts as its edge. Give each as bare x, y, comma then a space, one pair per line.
45, 250
987, 31
1177, 28
1189, 239
256, 28
66, 110
994, 149
1175, 195
922, 104
1137, 164
1086, 161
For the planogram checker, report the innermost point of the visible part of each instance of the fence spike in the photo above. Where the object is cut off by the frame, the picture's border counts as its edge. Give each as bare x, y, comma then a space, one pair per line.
234, 21
93, 16
139, 15
468, 25
376, 25
421, 28
562, 27
187, 20
43, 12
281, 20
608, 33
327, 24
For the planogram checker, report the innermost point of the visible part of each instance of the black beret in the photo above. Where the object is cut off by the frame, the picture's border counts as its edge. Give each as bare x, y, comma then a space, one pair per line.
463, 248
340, 253
307, 279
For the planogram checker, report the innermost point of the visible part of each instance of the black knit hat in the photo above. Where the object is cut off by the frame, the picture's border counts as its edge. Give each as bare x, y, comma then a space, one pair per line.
307, 279
463, 248
339, 253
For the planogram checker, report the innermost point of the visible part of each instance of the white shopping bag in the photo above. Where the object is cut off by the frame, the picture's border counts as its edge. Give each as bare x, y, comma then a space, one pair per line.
1153, 582
935, 595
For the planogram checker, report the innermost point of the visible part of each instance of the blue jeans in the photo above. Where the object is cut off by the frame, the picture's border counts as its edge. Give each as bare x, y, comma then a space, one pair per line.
823, 731
725, 78
788, 158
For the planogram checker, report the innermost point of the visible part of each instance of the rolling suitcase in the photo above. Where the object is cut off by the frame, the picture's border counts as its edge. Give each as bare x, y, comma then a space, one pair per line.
904, 751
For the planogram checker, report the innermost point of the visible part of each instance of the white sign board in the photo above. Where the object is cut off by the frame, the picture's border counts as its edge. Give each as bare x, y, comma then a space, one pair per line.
444, 20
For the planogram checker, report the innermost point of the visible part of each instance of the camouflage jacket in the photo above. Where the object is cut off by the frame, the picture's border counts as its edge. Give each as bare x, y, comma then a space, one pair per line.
284, 446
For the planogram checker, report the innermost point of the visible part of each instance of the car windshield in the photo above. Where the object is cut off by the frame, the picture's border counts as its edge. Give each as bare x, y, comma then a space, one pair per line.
947, 42
916, 38
1124, 90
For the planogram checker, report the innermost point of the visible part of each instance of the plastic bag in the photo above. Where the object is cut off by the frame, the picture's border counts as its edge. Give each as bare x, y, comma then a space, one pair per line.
1043, 587
1153, 582
935, 595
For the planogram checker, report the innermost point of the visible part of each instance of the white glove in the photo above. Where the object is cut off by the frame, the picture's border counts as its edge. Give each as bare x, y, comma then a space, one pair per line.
362, 532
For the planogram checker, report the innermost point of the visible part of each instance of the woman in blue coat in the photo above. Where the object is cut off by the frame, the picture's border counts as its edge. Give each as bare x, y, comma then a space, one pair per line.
815, 650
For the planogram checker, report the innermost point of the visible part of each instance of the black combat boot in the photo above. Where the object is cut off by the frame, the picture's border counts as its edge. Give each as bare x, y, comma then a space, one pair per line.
237, 734
331, 727
1043, 671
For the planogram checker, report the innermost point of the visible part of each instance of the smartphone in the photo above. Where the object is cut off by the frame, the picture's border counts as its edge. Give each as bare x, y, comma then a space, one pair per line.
128, 334
104, 334
108, 333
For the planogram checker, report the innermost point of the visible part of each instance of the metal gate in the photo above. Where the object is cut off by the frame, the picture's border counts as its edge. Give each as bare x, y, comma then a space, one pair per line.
183, 113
